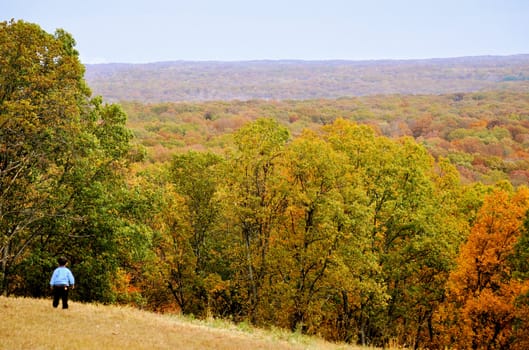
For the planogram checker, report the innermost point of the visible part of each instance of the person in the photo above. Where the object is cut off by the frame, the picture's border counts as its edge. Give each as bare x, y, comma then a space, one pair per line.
61, 281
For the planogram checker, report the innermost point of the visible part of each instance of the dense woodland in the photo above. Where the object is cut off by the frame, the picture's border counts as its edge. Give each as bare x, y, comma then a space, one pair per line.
395, 219
484, 134
301, 80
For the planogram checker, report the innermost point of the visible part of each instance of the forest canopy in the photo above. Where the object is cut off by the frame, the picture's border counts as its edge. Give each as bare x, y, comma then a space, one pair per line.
383, 219
484, 134
302, 80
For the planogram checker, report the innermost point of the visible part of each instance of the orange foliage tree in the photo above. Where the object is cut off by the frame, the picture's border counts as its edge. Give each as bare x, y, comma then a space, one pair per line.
484, 305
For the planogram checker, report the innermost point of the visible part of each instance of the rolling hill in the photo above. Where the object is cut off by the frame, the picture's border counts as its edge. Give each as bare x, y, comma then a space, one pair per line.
301, 80
34, 324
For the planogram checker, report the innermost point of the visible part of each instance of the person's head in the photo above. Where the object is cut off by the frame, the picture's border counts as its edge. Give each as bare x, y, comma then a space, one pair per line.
62, 261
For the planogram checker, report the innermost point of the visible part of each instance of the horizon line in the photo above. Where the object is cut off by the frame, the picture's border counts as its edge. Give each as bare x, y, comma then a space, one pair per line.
304, 60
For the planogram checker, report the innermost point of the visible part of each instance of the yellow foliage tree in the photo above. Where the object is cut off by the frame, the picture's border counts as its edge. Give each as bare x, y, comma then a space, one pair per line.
480, 311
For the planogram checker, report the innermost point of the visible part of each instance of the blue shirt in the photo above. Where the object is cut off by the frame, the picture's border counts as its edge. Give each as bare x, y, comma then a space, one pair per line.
62, 276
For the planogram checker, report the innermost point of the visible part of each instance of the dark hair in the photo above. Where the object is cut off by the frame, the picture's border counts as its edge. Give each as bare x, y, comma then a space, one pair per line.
62, 261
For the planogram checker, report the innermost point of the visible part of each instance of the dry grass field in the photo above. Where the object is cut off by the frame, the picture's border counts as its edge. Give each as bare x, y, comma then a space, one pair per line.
33, 324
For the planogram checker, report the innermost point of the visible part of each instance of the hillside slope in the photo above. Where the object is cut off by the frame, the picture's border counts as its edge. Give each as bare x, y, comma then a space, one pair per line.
301, 80
34, 324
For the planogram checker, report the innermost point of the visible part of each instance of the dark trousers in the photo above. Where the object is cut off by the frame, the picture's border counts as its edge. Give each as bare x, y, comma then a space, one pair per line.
60, 293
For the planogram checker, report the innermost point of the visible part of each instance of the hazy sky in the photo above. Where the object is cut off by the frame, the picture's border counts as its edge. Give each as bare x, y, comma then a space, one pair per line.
166, 30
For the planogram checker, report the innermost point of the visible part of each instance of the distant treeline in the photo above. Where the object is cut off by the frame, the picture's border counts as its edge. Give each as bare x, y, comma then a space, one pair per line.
300, 80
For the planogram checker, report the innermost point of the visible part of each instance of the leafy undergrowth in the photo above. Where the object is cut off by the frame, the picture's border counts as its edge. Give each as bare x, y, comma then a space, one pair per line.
34, 324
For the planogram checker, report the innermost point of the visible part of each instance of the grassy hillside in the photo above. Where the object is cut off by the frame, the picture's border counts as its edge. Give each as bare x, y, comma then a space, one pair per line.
34, 324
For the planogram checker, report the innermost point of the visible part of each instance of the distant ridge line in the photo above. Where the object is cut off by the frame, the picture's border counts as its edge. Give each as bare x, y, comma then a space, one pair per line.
300, 60
304, 79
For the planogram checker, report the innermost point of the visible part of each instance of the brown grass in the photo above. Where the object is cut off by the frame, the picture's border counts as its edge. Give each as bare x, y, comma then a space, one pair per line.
34, 324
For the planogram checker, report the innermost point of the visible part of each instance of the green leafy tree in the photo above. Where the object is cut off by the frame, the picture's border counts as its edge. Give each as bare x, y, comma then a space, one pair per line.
41, 97
519, 260
63, 158
195, 176
318, 221
188, 243
408, 251
362, 298
254, 203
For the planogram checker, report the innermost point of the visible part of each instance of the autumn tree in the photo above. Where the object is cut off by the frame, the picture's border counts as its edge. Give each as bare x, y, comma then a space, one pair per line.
318, 220
40, 87
253, 204
195, 176
484, 307
414, 227
189, 242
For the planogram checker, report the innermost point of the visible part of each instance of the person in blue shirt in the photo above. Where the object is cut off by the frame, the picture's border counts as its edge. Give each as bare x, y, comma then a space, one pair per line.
61, 281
